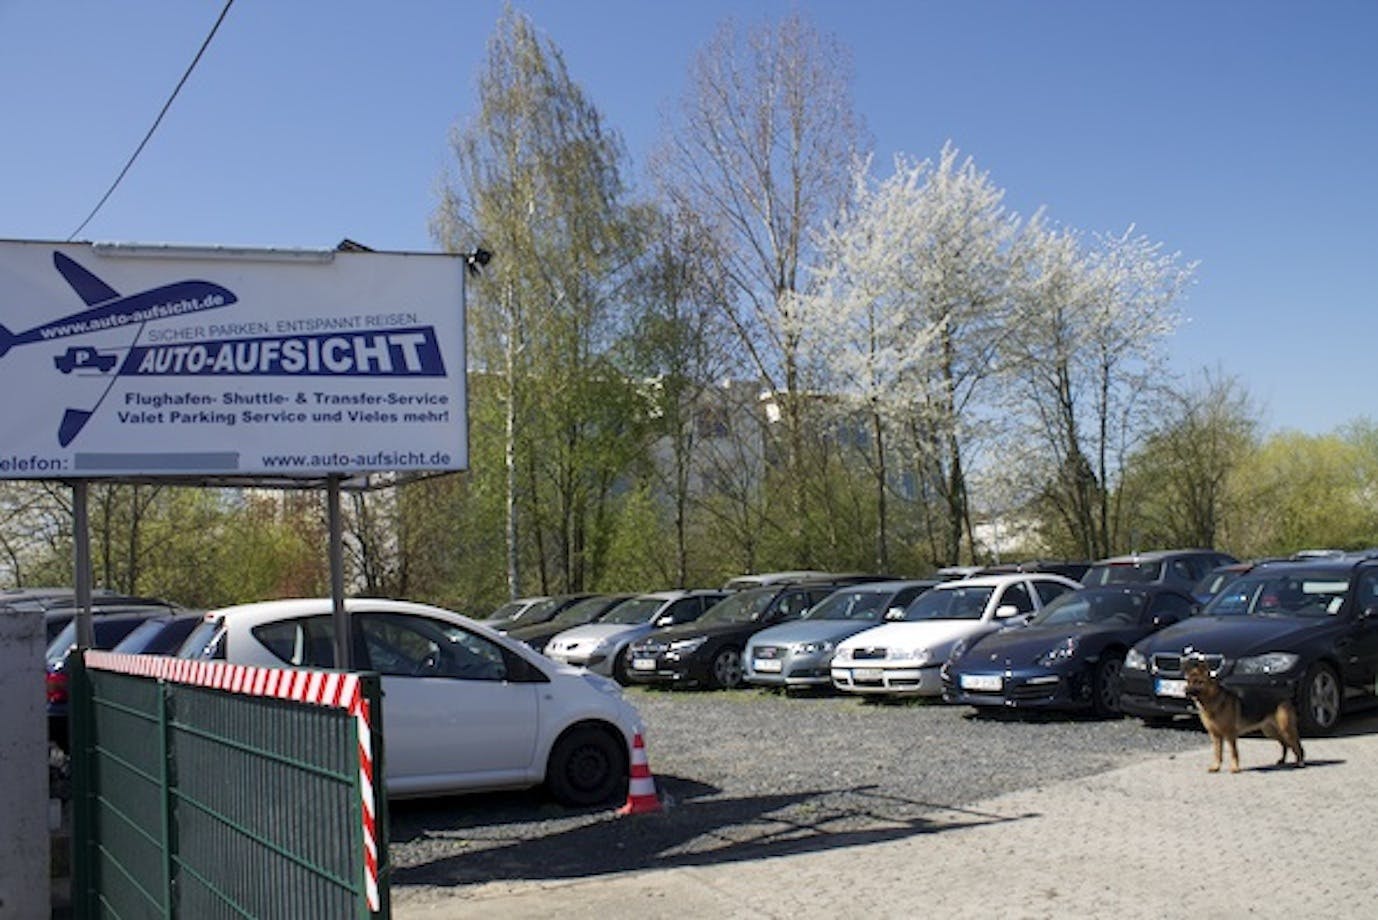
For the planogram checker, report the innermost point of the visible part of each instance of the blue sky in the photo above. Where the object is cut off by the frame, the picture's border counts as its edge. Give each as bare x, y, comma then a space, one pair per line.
1242, 134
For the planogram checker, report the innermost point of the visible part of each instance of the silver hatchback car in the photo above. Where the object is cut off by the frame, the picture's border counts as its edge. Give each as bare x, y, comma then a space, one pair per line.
599, 646
799, 653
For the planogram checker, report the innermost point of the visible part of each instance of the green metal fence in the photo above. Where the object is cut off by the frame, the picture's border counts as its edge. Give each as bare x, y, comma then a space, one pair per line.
206, 790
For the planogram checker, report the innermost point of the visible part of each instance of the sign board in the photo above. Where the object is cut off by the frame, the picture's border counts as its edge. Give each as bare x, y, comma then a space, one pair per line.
119, 360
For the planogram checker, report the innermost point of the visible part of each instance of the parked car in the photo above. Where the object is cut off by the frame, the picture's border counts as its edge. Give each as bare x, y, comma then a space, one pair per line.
601, 646
903, 657
1068, 656
799, 653
533, 611
160, 635
577, 614
764, 579
465, 708
1304, 630
59, 614
107, 630
708, 651
1180, 567
506, 614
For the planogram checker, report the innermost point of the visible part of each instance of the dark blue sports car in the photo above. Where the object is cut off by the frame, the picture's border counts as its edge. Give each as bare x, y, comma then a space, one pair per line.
1070, 654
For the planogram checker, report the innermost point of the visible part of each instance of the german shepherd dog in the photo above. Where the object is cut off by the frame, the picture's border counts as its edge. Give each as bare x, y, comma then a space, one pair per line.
1226, 716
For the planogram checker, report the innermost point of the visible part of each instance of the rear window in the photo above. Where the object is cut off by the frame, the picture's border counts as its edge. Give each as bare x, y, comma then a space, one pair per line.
1123, 573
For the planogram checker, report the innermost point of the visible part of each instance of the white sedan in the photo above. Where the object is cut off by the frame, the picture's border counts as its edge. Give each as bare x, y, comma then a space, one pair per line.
464, 708
903, 657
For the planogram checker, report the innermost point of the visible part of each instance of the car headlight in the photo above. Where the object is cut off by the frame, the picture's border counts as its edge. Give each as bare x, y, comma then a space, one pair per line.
813, 648
1063, 651
688, 645
1135, 660
959, 649
1271, 663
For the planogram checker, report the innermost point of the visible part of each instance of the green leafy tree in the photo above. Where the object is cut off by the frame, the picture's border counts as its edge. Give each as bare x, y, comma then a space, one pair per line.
538, 179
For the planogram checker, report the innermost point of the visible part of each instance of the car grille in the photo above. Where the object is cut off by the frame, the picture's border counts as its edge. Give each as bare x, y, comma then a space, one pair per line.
767, 651
1170, 664
649, 649
868, 654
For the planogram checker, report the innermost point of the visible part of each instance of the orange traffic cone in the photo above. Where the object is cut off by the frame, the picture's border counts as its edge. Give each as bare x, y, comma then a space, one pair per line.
641, 791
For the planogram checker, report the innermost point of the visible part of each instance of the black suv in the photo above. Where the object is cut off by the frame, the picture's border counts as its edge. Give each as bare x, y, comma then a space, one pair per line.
708, 651
1300, 630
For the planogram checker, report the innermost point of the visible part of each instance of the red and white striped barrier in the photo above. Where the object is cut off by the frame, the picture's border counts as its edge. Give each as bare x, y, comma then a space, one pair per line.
333, 689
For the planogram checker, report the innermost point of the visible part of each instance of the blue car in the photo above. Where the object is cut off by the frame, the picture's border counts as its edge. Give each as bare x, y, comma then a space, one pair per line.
1069, 656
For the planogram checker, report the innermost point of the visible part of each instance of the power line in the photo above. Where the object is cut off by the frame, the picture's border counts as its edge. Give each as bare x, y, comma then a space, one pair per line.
157, 121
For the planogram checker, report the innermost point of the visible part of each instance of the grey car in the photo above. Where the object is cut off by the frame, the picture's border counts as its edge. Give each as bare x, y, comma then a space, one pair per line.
799, 653
599, 646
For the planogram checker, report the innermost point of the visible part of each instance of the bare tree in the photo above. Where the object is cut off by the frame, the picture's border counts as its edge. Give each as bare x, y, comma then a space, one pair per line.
761, 151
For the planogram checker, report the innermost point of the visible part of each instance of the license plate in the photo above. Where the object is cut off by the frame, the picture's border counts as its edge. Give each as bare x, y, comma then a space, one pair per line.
643, 664
986, 682
867, 674
1166, 687
766, 666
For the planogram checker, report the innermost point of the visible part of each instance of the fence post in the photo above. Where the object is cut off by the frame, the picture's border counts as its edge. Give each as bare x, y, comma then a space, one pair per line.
24, 864
84, 884
165, 765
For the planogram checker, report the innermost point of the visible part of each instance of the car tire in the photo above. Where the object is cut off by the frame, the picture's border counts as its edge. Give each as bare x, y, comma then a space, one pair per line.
619, 666
1319, 699
1105, 685
726, 669
586, 767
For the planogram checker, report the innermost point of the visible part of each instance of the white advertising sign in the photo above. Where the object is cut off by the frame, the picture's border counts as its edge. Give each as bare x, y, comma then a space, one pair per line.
123, 360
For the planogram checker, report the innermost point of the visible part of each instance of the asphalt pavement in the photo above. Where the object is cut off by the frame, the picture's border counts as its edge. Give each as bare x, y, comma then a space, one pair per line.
1162, 838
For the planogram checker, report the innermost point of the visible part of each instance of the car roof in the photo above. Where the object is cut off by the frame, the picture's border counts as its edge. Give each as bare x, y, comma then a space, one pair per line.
996, 581
1155, 555
268, 611
1341, 567
891, 586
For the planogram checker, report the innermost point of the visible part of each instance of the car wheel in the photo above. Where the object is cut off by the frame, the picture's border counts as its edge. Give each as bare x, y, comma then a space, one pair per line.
1318, 700
727, 669
586, 767
1105, 685
619, 666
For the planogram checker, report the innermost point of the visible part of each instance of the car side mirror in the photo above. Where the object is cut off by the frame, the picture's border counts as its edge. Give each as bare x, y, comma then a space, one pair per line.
1369, 613
1164, 619
894, 613
667, 620
1005, 611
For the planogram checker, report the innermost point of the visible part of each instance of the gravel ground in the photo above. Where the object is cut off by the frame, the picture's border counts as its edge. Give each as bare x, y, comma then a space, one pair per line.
748, 774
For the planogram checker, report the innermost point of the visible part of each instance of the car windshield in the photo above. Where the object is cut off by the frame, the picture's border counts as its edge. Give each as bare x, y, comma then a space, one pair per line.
636, 611
1122, 573
1291, 594
538, 612
850, 605
959, 603
581, 613
508, 610
1108, 607
740, 608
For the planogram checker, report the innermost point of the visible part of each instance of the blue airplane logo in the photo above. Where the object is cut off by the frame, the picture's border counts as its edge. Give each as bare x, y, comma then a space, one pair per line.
108, 310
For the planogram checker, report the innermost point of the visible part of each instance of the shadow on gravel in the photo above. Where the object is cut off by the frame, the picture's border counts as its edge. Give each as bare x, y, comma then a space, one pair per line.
688, 832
